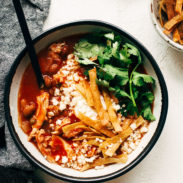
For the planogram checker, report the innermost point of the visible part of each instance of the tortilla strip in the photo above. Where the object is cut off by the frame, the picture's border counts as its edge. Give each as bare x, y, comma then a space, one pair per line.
67, 130
114, 142
161, 7
103, 161
103, 115
175, 20
176, 36
178, 6
180, 29
89, 137
94, 124
84, 88
111, 111
93, 142
92, 133
170, 9
81, 89
126, 123
88, 93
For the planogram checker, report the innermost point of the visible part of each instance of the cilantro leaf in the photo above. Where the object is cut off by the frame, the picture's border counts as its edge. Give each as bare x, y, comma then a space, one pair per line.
85, 49
106, 54
103, 74
122, 74
140, 79
115, 49
132, 50
124, 56
103, 83
147, 113
122, 93
149, 97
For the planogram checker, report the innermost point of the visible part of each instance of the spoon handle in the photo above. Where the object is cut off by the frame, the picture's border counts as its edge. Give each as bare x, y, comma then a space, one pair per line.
28, 42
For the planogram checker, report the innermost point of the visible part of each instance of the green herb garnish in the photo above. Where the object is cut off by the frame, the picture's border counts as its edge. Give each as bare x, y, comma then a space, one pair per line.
117, 63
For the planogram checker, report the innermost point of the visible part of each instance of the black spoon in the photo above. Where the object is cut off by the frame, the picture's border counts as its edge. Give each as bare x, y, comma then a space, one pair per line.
28, 42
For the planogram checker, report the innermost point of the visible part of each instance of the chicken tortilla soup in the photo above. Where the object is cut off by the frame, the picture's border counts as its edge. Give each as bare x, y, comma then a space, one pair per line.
96, 104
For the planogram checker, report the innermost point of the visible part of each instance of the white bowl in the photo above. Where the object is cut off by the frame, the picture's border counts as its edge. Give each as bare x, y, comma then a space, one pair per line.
155, 18
32, 153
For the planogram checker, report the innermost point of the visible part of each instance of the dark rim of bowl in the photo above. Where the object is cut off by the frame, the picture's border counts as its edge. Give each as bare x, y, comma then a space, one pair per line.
145, 151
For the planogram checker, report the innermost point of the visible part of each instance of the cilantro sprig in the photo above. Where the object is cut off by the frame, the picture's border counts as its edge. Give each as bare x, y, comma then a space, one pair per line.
117, 63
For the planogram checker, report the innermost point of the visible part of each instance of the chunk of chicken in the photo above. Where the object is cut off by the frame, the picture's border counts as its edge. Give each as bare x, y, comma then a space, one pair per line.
43, 102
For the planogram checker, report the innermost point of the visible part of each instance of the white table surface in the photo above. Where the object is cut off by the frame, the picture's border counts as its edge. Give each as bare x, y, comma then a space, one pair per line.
164, 162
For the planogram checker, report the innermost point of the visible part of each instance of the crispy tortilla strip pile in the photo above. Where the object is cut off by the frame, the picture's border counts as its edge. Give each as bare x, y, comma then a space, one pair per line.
95, 124
103, 115
174, 25
110, 146
93, 97
103, 161
101, 133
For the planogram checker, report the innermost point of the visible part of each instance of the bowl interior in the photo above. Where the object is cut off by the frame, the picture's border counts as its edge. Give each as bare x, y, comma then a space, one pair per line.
22, 137
159, 28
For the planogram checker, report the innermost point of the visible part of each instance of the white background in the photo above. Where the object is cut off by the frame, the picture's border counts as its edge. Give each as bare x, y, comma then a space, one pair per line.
164, 162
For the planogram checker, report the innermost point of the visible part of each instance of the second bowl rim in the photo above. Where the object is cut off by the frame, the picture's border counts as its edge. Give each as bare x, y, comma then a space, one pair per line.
157, 26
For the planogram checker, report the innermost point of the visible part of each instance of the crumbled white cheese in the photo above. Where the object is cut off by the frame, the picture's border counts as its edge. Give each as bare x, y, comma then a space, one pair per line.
110, 145
76, 77
51, 125
55, 101
59, 122
90, 160
99, 140
75, 145
129, 150
57, 157
70, 56
144, 129
56, 92
65, 72
62, 106
64, 159
132, 145
81, 159
83, 151
84, 140
116, 106
50, 113
137, 142
123, 105
133, 126
70, 78
120, 140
